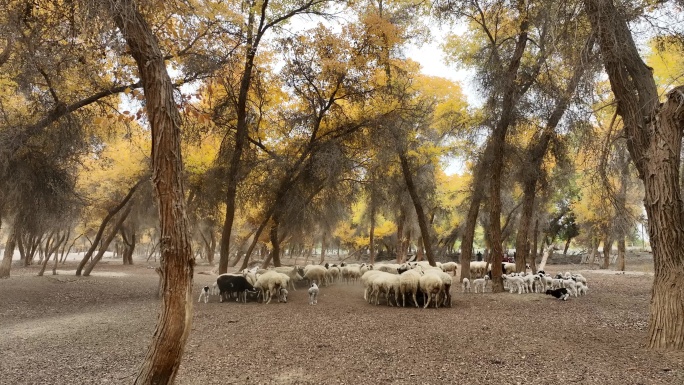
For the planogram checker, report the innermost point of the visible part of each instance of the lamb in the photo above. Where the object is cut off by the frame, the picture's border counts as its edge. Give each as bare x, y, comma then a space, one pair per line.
465, 285
409, 282
515, 282
561, 293
481, 284
571, 285
204, 293
313, 294
582, 288
431, 285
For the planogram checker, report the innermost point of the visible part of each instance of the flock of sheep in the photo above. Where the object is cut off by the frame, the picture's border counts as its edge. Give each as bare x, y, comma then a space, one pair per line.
417, 283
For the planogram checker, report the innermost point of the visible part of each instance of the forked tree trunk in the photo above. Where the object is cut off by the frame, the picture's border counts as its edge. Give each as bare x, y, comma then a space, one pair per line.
654, 137
57, 242
174, 322
103, 225
107, 242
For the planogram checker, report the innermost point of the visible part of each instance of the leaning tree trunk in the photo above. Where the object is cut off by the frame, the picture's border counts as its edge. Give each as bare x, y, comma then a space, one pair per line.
654, 137
177, 264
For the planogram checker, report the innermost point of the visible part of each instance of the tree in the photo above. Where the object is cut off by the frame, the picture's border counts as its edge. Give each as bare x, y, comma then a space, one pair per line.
654, 133
174, 323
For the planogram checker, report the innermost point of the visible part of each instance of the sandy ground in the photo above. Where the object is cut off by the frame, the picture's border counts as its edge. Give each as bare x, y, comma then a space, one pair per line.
95, 330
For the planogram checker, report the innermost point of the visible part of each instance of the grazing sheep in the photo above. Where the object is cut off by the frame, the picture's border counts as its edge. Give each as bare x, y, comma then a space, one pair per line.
385, 283
315, 273
292, 272
477, 268
333, 274
388, 267
270, 284
560, 293
367, 282
313, 294
229, 284
409, 282
204, 293
465, 285
481, 284
431, 285
450, 266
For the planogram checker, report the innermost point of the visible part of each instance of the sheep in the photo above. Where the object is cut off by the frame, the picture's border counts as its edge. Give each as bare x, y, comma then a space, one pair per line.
477, 268
388, 267
229, 284
450, 266
270, 284
508, 267
571, 285
282, 295
333, 274
292, 272
446, 287
367, 280
313, 294
204, 293
431, 285
409, 282
582, 288
579, 278
465, 285
315, 273
385, 283
481, 284
515, 282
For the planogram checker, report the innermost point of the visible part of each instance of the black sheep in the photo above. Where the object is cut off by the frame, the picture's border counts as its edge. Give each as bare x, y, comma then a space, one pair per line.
233, 284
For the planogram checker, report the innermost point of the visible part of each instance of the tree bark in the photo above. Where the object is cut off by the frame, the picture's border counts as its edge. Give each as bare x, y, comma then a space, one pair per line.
654, 138
174, 322
103, 225
324, 245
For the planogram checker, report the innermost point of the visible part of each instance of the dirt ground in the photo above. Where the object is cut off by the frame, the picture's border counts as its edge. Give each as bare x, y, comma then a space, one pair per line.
95, 330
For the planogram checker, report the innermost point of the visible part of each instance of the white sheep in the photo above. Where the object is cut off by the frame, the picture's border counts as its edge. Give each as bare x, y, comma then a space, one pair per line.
465, 285
515, 283
313, 294
409, 282
333, 274
481, 284
450, 266
431, 285
292, 272
571, 285
582, 288
385, 283
315, 273
367, 280
477, 268
270, 284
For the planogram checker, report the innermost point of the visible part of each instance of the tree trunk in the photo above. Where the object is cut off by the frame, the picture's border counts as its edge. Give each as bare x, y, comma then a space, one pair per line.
257, 234
57, 242
654, 138
324, 245
522, 238
607, 247
420, 213
622, 220
401, 250
275, 242
567, 246
129, 245
107, 241
533, 256
241, 137
103, 225
6, 265
175, 320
